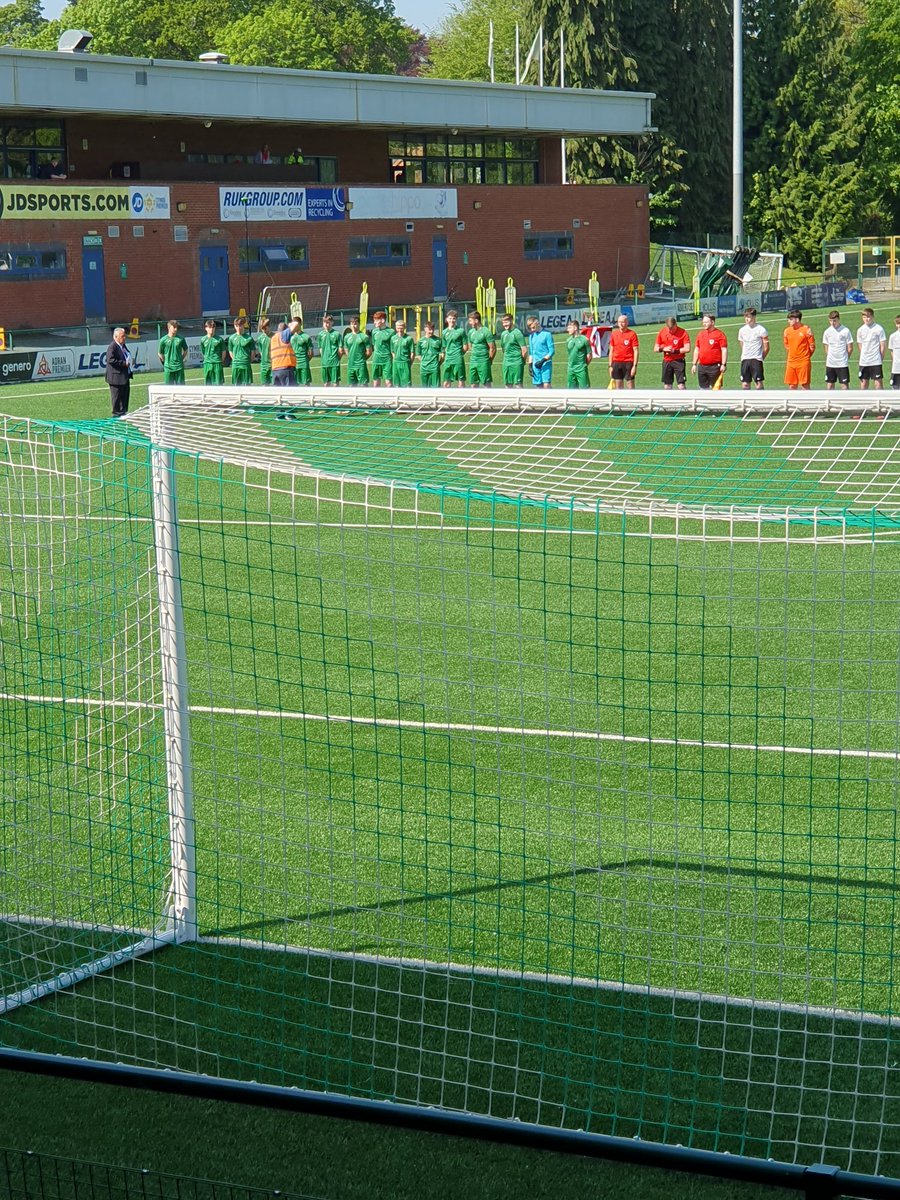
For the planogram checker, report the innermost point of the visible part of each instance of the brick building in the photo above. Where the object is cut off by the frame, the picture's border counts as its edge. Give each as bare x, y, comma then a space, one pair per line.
188, 187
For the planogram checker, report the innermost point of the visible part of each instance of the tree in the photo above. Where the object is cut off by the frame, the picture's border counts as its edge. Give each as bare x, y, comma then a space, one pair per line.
363, 35
20, 20
875, 57
813, 188
459, 48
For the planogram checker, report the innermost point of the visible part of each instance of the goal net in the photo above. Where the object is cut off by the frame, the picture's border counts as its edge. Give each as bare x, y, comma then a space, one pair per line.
275, 302
528, 756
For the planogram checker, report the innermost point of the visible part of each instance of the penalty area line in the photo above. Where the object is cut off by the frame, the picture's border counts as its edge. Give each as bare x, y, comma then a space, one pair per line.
584, 735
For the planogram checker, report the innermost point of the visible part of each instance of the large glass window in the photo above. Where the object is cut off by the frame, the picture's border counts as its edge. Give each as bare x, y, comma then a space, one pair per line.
549, 245
379, 252
273, 257
437, 159
26, 146
32, 262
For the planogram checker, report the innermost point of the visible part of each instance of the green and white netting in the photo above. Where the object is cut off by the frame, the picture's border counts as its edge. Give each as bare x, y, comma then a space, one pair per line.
539, 756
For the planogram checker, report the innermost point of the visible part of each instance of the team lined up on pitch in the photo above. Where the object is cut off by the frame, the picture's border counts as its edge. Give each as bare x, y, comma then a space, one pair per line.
457, 356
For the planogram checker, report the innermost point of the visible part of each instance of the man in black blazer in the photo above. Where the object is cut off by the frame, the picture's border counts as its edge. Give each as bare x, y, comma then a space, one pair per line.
118, 373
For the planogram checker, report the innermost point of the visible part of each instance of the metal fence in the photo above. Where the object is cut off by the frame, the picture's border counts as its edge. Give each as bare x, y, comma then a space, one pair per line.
870, 263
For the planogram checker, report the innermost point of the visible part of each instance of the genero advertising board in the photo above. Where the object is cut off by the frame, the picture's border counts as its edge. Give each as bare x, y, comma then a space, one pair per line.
61, 202
402, 203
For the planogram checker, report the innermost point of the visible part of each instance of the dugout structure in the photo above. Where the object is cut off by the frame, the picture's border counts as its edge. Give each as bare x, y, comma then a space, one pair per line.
532, 756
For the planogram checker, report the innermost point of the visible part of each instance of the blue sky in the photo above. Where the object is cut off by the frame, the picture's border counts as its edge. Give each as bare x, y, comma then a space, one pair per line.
425, 14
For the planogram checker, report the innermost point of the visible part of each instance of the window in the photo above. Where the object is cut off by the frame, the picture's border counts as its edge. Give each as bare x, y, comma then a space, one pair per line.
273, 257
32, 262
437, 159
26, 145
549, 245
379, 252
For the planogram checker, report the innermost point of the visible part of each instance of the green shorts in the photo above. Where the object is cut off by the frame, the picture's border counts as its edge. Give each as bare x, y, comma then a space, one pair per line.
241, 376
454, 372
402, 375
265, 375
331, 374
480, 373
358, 376
431, 378
213, 375
578, 379
304, 375
513, 376
382, 370
173, 376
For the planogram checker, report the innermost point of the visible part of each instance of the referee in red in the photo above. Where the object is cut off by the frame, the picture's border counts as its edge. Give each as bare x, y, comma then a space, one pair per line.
710, 353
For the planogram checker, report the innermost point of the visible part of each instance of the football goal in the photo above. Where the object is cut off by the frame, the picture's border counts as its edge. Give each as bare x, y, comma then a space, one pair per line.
279, 301
523, 754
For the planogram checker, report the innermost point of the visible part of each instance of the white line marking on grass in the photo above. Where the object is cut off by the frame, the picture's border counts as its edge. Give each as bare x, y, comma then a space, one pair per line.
433, 966
585, 735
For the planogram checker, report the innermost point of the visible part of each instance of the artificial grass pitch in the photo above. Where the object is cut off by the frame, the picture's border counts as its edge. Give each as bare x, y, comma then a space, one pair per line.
500, 805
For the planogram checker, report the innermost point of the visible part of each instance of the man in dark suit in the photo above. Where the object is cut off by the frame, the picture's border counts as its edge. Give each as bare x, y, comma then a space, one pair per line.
118, 373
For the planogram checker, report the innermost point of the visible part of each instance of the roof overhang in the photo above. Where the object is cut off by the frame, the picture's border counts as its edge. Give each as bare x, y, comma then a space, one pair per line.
33, 81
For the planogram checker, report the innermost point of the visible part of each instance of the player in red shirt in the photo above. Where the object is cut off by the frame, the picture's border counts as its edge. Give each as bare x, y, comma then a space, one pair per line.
623, 354
710, 353
673, 343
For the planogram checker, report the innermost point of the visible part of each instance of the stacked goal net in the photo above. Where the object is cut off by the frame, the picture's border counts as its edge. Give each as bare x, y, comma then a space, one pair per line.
532, 757
281, 301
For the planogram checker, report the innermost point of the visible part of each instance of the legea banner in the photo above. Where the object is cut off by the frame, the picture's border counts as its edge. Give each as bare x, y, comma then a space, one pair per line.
61, 202
281, 203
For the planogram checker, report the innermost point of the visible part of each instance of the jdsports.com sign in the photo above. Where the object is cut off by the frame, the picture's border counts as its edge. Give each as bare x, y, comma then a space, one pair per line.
52, 202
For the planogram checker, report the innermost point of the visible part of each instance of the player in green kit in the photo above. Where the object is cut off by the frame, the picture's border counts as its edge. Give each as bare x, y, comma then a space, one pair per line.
172, 353
483, 348
213, 348
454, 343
403, 351
578, 349
263, 336
301, 344
358, 348
429, 352
515, 351
330, 351
382, 363
240, 346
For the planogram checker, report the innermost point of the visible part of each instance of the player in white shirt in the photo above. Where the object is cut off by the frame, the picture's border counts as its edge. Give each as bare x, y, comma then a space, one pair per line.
838, 342
754, 341
872, 342
894, 347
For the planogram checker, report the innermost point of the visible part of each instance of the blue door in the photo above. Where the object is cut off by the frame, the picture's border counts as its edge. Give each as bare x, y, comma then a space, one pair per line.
94, 283
439, 268
214, 297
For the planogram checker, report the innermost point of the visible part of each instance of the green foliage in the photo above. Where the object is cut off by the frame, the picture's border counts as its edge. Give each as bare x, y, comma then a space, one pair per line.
813, 188
20, 20
876, 58
459, 48
361, 36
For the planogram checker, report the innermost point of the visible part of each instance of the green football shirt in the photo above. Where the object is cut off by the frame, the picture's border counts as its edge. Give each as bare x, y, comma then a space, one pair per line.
240, 347
356, 345
429, 351
212, 348
171, 349
480, 340
512, 342
577, 348
329, 344
454, 340
381, 346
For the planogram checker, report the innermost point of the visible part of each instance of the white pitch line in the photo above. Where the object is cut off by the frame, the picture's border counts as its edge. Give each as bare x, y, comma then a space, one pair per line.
584, 735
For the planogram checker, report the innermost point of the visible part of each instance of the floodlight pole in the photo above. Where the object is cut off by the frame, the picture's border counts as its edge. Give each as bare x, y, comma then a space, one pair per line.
245, 200
562, 84
737, 141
